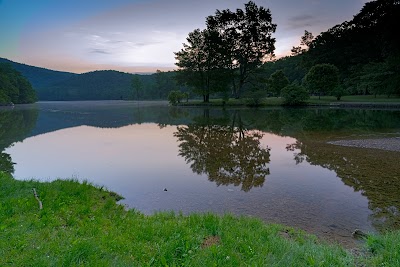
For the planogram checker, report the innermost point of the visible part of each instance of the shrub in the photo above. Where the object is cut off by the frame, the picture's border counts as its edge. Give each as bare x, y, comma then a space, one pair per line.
175, 97
294, 94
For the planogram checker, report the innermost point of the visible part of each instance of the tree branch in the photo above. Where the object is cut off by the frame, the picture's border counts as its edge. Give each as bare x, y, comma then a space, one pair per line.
37, 198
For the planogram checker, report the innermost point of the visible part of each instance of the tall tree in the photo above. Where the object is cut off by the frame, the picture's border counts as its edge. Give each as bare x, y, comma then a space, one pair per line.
277, 81
201, 63
247, 38
137, 86
305, 43
322, 79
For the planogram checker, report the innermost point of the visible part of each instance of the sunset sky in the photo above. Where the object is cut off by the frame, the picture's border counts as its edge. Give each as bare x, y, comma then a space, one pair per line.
137, 35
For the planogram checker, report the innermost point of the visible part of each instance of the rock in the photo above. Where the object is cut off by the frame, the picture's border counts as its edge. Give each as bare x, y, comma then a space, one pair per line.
165, 189
358, 234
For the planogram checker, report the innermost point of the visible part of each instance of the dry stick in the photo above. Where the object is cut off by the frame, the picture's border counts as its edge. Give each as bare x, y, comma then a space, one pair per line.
37, 198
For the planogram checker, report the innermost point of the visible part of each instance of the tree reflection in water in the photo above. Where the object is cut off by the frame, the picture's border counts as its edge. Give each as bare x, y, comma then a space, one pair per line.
15, 125
373, 172
227, 154
6, 164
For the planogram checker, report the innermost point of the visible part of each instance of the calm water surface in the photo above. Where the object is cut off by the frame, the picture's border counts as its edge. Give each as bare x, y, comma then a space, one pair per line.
274, 164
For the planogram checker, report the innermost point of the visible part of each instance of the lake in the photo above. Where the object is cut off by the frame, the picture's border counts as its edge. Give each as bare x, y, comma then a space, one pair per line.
274, 164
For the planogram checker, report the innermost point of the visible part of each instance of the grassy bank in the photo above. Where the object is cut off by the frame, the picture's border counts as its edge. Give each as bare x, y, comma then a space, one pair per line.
82, 225
314, 100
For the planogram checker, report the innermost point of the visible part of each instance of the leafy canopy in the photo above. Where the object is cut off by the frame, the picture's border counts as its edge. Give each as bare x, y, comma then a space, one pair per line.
14, 88
277, 81
322, 79
294, 94
228, 52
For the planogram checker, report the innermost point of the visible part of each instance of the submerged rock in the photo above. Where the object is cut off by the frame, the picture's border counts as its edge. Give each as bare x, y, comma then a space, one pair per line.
358, 234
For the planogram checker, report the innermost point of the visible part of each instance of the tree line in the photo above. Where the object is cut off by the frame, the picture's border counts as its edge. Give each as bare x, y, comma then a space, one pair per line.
234, 56
14, 88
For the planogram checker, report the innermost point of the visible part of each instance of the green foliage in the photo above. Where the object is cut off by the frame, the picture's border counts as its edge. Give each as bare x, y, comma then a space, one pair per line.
201, 64
277, 81
164, 83
137, 86
40, 78
338, 92
228, 52
381, 77
247, 38
175, 97
14, 88
294, 94
385, 249
370, 37
82, 225
292, 67
322, 79
96, 85
6, 164
254, 97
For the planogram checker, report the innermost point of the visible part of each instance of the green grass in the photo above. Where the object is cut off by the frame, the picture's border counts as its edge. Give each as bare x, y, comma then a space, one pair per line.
81, 225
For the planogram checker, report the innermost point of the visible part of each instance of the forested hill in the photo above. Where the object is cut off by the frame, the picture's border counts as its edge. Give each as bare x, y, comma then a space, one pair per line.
39, 77
111, 85
96, 85
14, 88
366, 51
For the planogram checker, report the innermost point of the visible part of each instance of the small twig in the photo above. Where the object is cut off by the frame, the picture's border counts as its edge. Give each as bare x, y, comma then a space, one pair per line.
37, 198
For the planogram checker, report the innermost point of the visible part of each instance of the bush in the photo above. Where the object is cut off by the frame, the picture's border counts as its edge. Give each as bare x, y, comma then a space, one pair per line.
254, 97
322, 79
175, 97
338, 92
294, 94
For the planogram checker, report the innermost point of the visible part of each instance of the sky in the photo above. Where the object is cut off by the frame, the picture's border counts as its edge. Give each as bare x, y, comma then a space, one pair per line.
138, 35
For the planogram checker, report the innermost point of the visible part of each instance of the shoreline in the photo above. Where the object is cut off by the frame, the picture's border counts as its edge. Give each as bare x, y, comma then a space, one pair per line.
387, 144
70, 223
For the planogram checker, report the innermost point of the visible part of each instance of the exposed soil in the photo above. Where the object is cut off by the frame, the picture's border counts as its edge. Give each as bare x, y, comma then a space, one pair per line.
210, 240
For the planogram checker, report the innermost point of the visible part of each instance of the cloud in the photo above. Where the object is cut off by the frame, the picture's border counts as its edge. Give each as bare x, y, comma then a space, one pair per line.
100, 51
302, 21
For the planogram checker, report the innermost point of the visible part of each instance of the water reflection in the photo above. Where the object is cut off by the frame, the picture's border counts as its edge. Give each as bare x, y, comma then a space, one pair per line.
15, 125
375, 173
323, 188
226, 154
